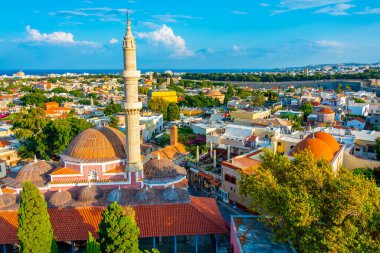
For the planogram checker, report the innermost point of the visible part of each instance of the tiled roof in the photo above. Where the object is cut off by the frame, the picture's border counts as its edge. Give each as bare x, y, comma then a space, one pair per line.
358, 119
171, 152
199, 217
64, 171
74, 181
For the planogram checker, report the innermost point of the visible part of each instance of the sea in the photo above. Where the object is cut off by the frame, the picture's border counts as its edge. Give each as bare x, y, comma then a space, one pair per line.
10, 72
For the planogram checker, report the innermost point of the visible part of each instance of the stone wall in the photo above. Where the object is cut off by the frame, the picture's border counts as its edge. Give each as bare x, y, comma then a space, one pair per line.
352, 162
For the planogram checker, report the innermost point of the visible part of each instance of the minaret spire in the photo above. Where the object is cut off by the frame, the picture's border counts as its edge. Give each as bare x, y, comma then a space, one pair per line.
132, 105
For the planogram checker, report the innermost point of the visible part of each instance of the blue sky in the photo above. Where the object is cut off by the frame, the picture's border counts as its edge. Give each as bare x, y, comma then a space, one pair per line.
170, 34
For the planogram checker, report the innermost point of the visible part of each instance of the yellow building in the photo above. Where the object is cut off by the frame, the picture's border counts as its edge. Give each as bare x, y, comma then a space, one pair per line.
164, 93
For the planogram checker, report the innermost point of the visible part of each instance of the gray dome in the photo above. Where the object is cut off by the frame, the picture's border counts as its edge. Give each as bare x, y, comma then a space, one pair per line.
170, 194
90, 193
34, 172
114, 195
7, 199
60, 198
145, 194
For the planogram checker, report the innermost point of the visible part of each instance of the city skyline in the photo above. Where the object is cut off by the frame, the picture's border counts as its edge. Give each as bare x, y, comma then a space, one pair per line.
170, 35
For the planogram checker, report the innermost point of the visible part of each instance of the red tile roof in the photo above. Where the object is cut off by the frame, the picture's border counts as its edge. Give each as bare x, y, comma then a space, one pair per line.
199, 217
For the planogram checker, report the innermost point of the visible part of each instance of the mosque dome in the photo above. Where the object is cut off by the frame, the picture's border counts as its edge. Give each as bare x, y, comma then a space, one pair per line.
328, 139
173, 194
97, 145
60, 198
34, 172
162, 168
114, 195
319, 148
7, 199
145, 194
326, 110
90, 193
213, 92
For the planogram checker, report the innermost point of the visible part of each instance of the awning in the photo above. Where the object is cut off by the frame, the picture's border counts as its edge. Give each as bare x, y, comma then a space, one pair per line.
209, 177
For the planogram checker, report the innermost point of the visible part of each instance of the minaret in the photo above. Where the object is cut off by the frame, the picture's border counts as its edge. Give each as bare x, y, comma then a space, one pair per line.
132, 105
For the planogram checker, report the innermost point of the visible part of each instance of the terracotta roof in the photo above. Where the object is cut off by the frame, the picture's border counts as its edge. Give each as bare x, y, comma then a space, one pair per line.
97, 145
199, 217
4, 143
118, 169
326, 110
318, 148
242, 163
328, 139
358, 119
171, 152
64, 171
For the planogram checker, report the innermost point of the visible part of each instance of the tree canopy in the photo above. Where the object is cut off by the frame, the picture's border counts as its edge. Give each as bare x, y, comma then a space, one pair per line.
173, 112
35, 233
41, 136
307, 109
118, 231
92, 246
314, 208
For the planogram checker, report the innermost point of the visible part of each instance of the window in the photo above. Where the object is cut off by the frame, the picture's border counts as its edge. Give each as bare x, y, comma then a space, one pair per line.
233, 180
227, 177
357, 149
92, 175
279, 144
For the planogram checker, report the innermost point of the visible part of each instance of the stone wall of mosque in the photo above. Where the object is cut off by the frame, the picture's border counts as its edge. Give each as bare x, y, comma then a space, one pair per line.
352, 162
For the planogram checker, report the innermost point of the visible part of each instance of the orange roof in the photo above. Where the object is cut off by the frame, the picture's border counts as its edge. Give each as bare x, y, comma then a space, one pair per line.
4, 143
64, 171
8, 190
244, 163
319, 148
118, 169
326, 110
328, 139
358, 119
199, 217
171, 152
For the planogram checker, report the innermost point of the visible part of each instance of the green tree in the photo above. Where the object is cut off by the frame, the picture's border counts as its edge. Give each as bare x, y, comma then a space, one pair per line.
114, 122
37, 99
347, 88
118, 231
158, 105
258, 98
143, 90
77, 93
339, 88
35, 233
92, 246
59, 90
173, 112
313, 207
229, 93
112, 108
307, 109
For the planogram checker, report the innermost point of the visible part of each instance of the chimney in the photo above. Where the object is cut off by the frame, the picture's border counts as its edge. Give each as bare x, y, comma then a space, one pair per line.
174, 135
197, 154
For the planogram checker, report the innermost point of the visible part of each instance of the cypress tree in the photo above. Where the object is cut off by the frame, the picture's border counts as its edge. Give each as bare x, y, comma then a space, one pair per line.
35, 233
92, 245
118, 231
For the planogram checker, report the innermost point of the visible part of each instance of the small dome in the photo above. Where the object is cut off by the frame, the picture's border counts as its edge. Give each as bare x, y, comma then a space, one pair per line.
326, 110
318, 148
97, 145
114, 195
145, 194
90, 193
34, 172
328, 139
213, 92
7, 199
170, 194
162, 168
60, 198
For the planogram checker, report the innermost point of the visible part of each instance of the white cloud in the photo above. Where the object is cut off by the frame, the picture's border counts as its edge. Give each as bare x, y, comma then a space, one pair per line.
165, 36
336, 10
55, 38
114, 41
171, 18
104, 14
328, 43
239, 12
291, 5
369, 10
149, 24
264, 5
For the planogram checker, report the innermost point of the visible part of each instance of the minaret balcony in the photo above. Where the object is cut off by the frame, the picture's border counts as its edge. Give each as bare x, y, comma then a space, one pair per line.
132, 106
131, 74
